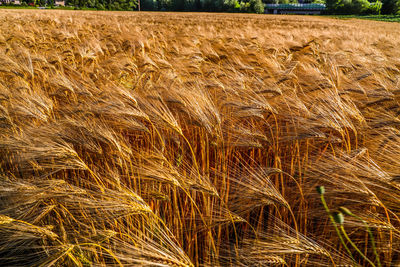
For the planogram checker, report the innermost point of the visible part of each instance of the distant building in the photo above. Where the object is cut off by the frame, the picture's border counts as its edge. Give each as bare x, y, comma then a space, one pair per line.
59, 3
8, 2
303, 9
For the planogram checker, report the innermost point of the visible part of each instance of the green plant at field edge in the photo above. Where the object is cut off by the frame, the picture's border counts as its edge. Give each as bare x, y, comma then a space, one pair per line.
321, 192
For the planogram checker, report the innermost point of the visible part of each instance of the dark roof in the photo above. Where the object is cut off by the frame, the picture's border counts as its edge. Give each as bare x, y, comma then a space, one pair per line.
296, 6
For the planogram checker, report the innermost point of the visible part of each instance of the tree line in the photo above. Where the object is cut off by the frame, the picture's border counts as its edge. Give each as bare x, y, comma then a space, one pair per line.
248, 6
251, 6
357, 7
363, 7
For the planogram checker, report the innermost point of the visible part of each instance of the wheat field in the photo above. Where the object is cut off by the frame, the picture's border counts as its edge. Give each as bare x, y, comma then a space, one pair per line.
178, 139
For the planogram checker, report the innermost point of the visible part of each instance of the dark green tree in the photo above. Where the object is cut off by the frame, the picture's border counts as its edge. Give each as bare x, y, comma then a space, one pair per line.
256, 6
213, 5
232, 6
148, 5
350, 7
198, 5
163, 4
331, 5
390, 6
178, 5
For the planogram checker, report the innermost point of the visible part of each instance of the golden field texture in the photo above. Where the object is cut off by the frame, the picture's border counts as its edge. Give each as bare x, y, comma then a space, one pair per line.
163, 139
